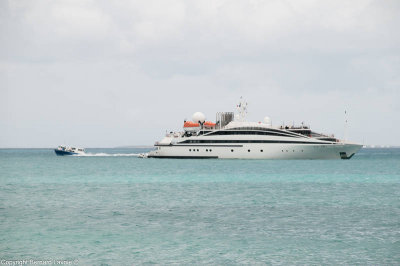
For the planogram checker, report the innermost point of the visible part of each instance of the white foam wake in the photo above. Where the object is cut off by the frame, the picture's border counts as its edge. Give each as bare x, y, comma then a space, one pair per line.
101, 154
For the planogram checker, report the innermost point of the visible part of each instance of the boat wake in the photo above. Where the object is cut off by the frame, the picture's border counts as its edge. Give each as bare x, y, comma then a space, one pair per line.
101, 154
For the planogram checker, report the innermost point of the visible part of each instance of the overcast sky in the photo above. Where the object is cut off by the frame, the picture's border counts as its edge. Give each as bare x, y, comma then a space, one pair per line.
111, 73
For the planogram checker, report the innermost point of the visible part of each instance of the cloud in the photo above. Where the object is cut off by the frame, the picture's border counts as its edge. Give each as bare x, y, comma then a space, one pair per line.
141, 66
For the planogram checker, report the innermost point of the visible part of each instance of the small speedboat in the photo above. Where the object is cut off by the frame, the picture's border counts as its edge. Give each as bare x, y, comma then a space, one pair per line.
142, 155
65, 150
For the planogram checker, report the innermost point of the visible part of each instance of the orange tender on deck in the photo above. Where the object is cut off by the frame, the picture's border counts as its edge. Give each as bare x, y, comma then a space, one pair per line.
209, 124
190, 124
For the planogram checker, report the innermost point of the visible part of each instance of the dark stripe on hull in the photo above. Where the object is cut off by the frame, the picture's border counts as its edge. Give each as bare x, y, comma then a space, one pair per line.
62, 153
199, 145
200, 141
183, 157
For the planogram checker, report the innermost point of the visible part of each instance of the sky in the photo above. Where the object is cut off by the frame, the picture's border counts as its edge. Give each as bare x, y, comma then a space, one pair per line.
114, 73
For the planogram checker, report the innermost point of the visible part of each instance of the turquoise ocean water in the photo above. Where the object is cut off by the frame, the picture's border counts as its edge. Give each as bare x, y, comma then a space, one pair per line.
115, 209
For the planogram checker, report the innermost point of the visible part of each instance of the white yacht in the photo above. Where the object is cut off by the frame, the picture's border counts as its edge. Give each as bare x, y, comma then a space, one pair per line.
231, 137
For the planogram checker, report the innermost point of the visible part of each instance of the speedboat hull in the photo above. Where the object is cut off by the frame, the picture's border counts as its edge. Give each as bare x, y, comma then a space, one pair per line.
62, 153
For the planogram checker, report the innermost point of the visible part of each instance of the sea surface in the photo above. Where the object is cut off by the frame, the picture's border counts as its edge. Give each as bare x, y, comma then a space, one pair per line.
112, 208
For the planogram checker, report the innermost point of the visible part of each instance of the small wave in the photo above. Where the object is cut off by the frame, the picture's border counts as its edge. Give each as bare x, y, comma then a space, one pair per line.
101, 154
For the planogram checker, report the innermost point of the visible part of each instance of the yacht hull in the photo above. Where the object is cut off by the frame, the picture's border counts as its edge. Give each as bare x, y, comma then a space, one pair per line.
257, 151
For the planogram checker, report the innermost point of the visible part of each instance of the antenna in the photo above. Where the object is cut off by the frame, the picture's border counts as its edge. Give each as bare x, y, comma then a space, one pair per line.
345, 126
242, 109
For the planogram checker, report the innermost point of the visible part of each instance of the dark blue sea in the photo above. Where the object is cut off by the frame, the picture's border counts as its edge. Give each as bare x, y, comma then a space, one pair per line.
112, 208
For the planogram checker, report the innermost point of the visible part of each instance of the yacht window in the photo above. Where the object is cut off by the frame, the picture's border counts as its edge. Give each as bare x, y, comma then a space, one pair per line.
231, 150
190, 149
248, 150
206, 149
261, 150
197, 149
210, 150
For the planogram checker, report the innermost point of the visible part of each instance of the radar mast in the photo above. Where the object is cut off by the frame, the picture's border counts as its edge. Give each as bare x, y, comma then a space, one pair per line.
242, 110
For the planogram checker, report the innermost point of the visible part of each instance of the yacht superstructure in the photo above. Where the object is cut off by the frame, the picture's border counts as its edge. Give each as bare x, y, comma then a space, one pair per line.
231, 137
